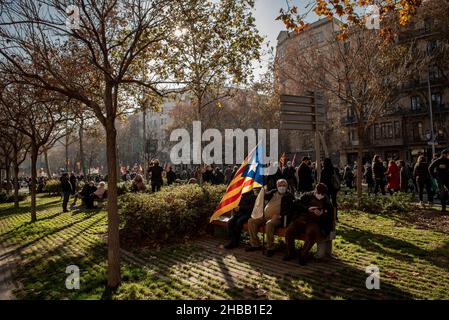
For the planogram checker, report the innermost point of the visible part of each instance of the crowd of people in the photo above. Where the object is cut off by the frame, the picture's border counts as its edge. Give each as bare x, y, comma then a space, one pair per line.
295, 198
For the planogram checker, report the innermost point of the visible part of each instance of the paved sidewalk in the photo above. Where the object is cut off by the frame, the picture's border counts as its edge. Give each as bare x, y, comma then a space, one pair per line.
7, 263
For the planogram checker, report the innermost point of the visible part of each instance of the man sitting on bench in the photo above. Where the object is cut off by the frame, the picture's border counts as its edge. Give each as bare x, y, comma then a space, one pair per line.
240, 216
280, 204
313, 218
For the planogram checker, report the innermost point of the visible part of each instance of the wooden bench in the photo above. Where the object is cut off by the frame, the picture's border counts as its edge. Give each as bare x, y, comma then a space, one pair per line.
100, 202
222, 221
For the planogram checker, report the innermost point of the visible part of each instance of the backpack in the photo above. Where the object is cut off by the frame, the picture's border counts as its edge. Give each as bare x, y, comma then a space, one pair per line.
336, 183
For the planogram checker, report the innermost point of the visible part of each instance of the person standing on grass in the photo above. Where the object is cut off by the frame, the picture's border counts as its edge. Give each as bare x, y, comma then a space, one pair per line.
404, 175
423, 180
368, 175
348, 177
394, 177
73, 182
66, 189
378, 175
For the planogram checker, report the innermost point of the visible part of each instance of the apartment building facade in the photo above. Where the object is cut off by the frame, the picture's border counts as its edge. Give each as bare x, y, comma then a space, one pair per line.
405, 130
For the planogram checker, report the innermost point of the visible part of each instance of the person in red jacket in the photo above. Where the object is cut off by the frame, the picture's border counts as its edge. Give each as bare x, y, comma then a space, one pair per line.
394, 177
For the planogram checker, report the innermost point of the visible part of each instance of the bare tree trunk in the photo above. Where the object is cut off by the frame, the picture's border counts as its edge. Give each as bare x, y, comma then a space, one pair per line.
47, 164
16, 181
113, 217
8, 177
361, 139
34, 153
66, 153
81, 138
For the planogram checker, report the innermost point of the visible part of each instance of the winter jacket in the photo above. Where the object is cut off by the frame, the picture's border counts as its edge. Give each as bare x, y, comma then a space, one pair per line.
439, 169
378, 171
394, 177
305, 178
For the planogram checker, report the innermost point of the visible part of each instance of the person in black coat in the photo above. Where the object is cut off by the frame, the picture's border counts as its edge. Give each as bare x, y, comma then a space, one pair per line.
73, 182
85, 195
330, 176
240, 216
156, 176
368, 175
218, 177
378, 175
423, 180
304, 176
208, 175
289, 174
66, 188
439, 169
171, 176
313, 217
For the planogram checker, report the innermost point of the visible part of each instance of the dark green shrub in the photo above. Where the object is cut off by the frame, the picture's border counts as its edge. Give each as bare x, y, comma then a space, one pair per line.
399, 202
173, 213
53, 187
123, 187
8, 198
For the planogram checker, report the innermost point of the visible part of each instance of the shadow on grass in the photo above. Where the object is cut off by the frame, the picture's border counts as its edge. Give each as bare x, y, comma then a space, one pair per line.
46, 278
10, 211
399, 249
51, 231
316, 280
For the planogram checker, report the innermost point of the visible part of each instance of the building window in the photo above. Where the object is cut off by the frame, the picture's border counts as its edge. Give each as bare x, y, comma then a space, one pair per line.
389, 130
397, 129
376, 131
432, 45
434, 73
437, 100
383, 130
415, 103
418, 133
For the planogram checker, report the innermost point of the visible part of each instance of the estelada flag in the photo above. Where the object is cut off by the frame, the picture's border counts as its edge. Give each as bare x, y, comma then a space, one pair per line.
247, 177
282, 160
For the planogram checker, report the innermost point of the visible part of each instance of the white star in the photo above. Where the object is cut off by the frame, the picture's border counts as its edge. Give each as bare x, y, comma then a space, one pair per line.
252, 167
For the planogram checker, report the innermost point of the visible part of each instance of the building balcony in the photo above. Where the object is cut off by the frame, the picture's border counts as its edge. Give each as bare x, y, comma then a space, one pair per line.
387, 142
419, 85
348, 120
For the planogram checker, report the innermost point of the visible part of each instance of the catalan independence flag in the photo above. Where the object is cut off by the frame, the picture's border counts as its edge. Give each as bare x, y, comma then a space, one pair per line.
247, 177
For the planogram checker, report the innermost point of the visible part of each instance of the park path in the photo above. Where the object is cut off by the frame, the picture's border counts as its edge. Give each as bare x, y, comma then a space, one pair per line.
8, 261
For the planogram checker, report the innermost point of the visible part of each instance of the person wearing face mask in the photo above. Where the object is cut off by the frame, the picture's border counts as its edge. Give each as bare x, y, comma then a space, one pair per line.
313, 217
280, 204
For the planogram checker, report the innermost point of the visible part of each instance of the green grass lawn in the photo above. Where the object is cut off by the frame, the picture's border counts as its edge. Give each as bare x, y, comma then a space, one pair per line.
411, 251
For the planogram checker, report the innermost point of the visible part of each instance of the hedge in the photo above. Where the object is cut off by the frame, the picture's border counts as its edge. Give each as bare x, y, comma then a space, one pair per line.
398, 202
175, 213
52, 187
7, 198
